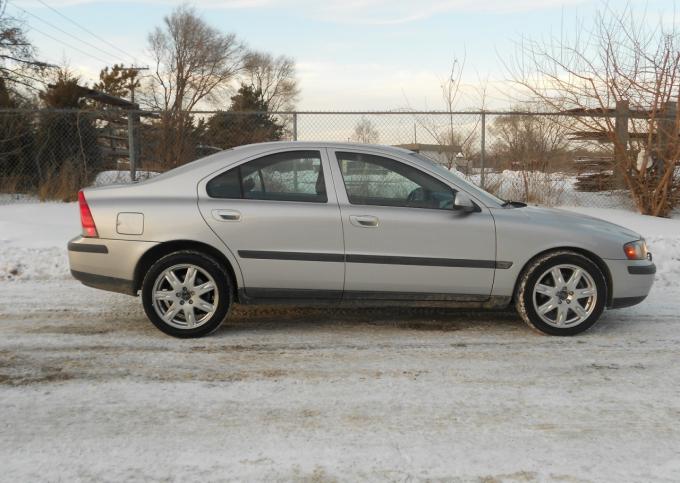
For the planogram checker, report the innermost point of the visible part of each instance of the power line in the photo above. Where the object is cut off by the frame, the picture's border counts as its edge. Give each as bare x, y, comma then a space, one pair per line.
23, 75
66, 33
86, 30
105, 62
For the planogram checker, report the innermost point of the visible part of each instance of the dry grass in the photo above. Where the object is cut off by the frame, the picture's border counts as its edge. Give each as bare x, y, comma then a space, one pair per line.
538, 187
494, 184
10, 184
61, 184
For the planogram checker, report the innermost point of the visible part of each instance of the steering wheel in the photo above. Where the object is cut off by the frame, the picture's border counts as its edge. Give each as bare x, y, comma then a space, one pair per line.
418, 194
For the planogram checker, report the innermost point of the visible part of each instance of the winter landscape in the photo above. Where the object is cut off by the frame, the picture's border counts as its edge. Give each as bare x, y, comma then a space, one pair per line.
571, 104
90, 390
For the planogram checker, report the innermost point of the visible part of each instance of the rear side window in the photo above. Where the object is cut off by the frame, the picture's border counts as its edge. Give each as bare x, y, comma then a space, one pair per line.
287, 176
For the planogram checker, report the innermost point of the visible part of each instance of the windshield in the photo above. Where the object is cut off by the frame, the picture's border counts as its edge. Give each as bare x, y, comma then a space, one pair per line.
468, 186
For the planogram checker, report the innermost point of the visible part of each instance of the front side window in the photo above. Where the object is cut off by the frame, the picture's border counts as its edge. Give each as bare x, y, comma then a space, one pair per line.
375, 180
287, 176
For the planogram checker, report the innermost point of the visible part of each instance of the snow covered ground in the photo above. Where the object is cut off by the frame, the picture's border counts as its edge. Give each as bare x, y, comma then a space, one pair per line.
90, 390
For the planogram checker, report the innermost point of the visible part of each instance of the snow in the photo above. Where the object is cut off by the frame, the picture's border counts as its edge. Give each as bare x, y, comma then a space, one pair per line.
33, 238
90, 390
105, 178
557, 188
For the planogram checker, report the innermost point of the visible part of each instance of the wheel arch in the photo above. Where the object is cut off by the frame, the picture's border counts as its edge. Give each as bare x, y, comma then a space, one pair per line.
581, 251
158, 251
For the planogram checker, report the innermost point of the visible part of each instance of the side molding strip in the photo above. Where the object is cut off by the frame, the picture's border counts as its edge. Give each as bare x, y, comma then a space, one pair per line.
306, 257
376, 259
421, 261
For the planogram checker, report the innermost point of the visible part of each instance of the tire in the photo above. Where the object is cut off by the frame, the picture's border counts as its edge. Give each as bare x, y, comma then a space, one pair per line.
553, 300
187, 308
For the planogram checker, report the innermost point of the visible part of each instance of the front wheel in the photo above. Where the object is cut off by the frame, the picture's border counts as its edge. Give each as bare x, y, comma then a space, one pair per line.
186, 294
561, 293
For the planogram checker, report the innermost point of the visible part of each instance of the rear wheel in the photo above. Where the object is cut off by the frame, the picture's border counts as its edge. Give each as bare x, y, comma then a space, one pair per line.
561, 293
186, 294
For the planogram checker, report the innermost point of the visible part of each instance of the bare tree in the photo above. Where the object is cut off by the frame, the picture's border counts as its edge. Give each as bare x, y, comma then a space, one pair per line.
529, 141
193, 62
451, 136
626, 73
274, 77
365, 132
20, 71
533, 147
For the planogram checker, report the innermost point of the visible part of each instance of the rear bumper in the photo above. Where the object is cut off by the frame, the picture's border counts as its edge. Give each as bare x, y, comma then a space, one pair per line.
632, 280
105, 283
106, 264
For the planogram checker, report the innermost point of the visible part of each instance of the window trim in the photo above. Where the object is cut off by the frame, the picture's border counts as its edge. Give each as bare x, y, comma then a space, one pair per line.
317, 154
337, 152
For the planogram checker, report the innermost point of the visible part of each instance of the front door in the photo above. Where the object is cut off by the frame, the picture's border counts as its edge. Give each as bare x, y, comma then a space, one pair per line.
403, 240
279, 216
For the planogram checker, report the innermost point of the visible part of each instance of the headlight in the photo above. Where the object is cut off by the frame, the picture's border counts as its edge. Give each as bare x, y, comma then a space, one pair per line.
636, 250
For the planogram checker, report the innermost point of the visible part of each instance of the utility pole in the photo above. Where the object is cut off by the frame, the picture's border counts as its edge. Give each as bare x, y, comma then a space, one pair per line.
133, 122
133, 80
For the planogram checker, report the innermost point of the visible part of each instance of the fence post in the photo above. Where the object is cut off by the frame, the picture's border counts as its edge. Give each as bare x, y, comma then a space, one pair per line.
133, 144
621, 118
482, 155
295, 126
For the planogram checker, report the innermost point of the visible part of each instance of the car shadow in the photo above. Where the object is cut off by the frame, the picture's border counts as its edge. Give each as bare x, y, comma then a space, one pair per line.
274, 318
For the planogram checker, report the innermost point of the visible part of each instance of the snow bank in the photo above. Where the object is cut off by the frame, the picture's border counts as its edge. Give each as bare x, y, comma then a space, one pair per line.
560, 188
33, 238
105, 178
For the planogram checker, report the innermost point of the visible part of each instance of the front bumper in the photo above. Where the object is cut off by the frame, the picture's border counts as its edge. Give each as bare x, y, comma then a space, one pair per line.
631, 281
105, 263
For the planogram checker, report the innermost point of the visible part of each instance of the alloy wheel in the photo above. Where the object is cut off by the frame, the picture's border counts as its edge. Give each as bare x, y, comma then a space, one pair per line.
185, 296
565, 296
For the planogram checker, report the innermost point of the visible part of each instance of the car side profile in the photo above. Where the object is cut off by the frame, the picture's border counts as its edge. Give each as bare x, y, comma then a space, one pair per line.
307, 223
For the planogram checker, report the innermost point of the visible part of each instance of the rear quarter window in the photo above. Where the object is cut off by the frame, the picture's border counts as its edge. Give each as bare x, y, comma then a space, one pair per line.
225, 185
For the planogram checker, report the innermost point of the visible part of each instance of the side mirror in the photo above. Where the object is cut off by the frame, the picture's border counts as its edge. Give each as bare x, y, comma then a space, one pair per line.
462, 202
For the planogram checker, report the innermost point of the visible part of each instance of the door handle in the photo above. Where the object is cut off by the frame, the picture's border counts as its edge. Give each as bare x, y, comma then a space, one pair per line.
226, 215
364, 221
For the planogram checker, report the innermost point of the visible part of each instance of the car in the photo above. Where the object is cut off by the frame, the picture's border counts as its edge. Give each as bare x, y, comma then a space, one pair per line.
308, 223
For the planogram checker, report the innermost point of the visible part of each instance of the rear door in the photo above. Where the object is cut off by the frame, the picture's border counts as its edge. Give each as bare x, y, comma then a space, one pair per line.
403, 240
278, 214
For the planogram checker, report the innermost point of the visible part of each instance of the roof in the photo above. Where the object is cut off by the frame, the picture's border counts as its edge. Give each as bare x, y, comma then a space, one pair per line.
325, 144
214, 162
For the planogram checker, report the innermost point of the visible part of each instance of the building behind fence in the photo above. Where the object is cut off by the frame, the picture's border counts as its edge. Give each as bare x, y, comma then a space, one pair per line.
50, 154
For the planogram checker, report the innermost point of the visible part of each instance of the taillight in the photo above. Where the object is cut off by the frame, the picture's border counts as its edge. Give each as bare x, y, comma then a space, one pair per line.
89, 228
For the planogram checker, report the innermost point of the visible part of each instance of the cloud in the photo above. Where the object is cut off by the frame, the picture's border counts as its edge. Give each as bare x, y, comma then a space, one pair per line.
370, 12
331, 85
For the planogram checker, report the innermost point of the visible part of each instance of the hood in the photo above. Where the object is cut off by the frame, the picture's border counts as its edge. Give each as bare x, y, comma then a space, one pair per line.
576, 221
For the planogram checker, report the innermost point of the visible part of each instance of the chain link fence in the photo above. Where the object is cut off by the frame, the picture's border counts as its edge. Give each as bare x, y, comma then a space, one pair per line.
536, 158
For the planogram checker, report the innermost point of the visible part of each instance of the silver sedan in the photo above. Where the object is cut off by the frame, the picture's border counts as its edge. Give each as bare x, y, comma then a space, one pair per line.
304, 223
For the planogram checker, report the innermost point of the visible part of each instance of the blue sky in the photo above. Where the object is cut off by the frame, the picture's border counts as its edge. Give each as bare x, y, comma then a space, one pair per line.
351, 54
